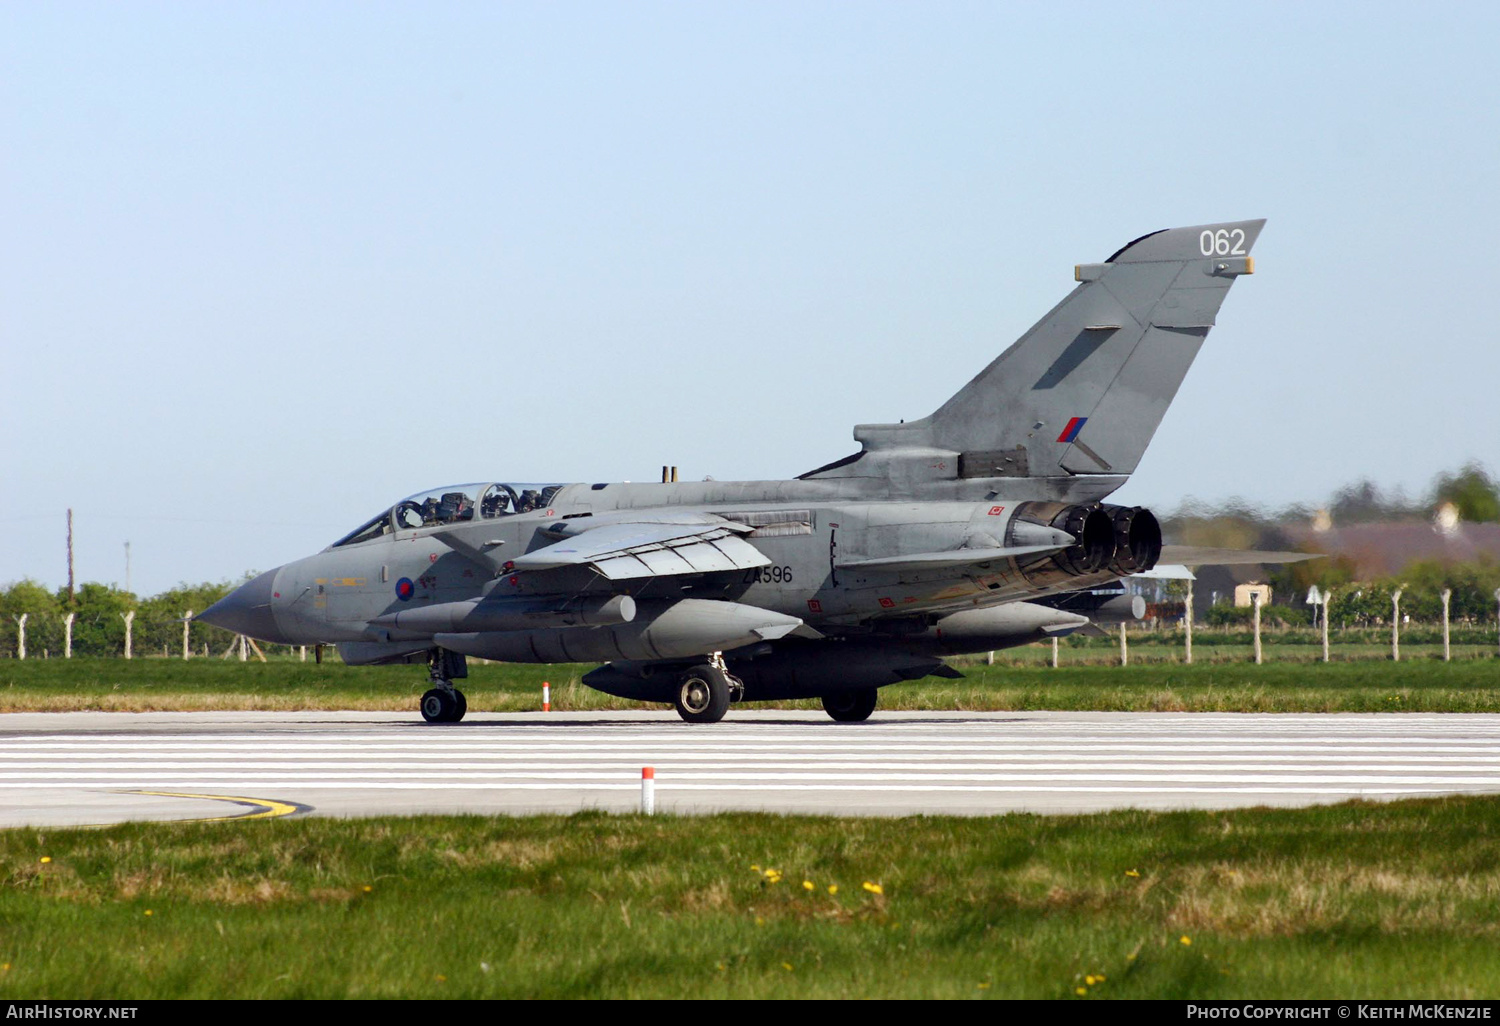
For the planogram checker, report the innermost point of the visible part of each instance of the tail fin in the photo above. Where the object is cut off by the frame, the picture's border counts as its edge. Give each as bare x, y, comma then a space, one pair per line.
1083, 391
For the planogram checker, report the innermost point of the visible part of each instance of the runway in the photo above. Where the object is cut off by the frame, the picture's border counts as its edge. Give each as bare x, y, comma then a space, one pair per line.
99, 768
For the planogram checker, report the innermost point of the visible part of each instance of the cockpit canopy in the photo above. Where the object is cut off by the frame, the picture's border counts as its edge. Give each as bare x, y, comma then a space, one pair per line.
454, 504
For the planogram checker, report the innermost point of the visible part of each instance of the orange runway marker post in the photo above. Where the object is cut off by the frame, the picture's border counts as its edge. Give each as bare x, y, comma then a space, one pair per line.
546, 697
648, 790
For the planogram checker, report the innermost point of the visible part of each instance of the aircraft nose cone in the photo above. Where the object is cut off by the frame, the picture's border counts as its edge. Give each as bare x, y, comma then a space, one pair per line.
247, 610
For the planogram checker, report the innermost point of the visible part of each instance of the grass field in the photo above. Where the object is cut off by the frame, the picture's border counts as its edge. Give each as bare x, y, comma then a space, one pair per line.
1016, 682
1356, 900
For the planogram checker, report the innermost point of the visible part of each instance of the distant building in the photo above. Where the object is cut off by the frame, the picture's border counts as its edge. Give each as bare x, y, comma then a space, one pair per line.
1381, 550
1244, 594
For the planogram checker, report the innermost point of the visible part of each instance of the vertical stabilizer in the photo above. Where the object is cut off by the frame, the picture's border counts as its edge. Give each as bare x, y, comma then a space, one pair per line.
1083, 391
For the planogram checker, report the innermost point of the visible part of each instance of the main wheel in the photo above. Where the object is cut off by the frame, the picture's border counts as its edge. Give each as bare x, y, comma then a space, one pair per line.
443, 705
702, 695
851, 706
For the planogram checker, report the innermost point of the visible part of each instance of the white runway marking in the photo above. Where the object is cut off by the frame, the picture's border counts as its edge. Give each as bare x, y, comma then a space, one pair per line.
78, 767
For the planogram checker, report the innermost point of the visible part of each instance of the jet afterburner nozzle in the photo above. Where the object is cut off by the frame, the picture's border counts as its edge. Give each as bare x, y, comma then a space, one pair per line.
1137, 539
1090, 528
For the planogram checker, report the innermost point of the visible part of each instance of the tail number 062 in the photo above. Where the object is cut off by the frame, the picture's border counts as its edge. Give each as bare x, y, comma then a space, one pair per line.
1224, 242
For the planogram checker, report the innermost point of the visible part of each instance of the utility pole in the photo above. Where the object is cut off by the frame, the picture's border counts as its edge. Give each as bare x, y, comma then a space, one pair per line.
70, 557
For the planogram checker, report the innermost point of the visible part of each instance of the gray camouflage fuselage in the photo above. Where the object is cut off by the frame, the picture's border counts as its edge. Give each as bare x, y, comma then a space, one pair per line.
927, 542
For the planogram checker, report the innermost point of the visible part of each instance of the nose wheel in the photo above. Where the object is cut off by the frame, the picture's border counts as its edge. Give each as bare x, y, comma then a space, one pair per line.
444, 705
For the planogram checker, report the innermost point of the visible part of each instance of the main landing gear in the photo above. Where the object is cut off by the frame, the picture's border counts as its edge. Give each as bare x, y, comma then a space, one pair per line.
851, 706
705, 691
444, 703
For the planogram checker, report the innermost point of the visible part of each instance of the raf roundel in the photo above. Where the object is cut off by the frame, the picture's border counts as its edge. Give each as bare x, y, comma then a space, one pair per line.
405, 589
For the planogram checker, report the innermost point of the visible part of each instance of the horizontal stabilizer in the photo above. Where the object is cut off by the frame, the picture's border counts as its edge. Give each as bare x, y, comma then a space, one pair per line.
941, 670
942, 560
1188, 555
1167, 572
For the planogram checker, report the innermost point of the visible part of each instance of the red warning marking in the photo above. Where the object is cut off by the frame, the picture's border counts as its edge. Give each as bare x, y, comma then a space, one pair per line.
814, 605
432, 557
995, 511
515, 580
886, 603
909, 598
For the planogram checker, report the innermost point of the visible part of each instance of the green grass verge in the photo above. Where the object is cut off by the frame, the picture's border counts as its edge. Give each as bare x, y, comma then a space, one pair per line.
1350, 686
1375, 901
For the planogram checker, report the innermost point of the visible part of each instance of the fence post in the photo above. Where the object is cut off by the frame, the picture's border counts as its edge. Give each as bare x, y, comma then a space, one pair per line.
1447, 654
1255, 604
68, 635
1124, 652
21, 635
1326, 596
129, 619
1054, 651
187, 623
1497, 609
1396, 626
244, 651
1187, 622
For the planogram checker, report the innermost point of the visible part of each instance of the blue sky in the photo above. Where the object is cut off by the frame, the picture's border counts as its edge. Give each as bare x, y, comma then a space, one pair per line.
268, 267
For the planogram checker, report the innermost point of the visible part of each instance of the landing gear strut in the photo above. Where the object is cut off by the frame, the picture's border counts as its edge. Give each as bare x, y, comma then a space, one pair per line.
444, 703
703, 692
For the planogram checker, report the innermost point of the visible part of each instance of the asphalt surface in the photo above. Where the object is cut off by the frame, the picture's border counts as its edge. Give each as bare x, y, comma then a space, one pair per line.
98, 768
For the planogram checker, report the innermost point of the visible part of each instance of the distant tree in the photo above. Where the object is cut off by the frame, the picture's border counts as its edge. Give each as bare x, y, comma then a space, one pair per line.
1472, 491
43, 623
1366, 502
1295, 579
99, 631
159, 625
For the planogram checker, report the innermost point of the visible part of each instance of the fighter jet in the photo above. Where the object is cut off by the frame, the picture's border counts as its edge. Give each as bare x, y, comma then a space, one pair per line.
938, 537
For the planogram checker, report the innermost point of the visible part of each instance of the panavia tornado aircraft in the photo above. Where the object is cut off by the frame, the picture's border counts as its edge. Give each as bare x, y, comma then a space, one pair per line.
938, 537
